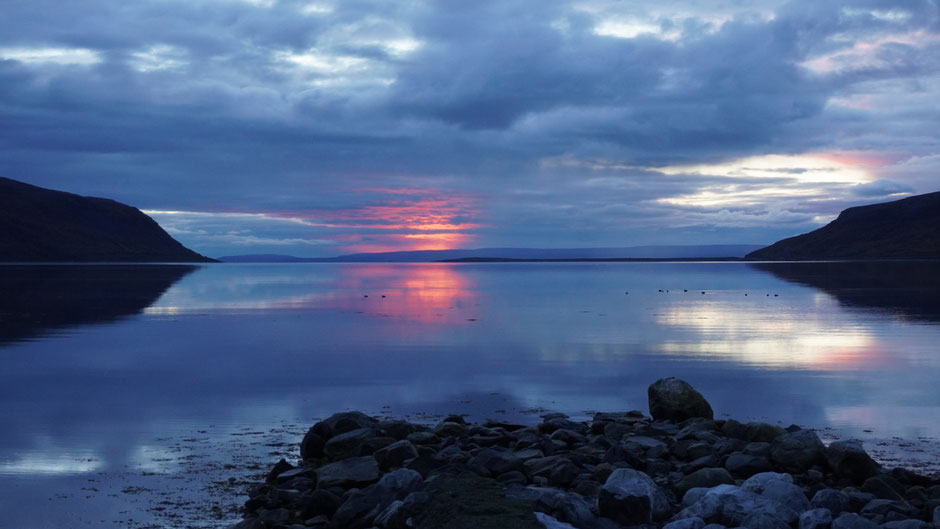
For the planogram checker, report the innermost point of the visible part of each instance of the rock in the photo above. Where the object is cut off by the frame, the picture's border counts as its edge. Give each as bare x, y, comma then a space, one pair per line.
465, 500
675, 400
884, 487
907, 524
338, 423
491, 462
686, 523
321, 503
745, 465
348, 444
797, 451
362, 507
706, 477
551, 523
731, 506
450, 429
274, 516
758, 482
423, 438
568, 507
352, 472
762, 432
936, 516
884, 507
249, 523
787, 494
849, 460
631, 497
834, 500
763, 520
513, 476
569, 437
395, 454
853, 521
816, 519
279, 468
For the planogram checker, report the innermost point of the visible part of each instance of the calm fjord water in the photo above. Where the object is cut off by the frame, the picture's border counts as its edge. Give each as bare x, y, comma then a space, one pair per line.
107, 368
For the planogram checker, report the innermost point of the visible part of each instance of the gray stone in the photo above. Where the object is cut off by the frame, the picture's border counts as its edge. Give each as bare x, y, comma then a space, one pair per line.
746, 465
936, 516
762, 432
849, 460
714, 526
835, 500
249, 523
551, 523
758, 482
494, 461
884, 487
686, 523
274, 516
907, 524
450, 429
362, 507
423, 438
798, 451
348, 444
395, 454
816, 519
392, 517
853, 521
352, 472
730, 505
693, 495
786, 493
883, 507
763, 520
706, 477
675, 400
568, 507
631, 497
569, 437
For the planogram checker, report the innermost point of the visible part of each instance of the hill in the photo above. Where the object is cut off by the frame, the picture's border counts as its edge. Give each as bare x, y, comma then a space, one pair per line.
43, 225
904, 229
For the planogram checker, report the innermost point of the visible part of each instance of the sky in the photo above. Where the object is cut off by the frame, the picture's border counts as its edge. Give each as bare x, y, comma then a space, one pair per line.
320, 128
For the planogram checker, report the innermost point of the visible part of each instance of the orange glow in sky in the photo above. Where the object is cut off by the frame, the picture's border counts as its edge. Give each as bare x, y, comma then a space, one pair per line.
403, 219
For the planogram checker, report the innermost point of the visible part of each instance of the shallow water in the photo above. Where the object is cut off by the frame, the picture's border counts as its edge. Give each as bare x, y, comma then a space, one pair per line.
127, 386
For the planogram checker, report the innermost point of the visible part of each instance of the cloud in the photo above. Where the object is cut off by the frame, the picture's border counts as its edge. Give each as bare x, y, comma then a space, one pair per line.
562, 118
881, 188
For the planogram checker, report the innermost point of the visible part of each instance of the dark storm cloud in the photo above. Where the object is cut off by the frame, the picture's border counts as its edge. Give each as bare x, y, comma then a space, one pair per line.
557, 117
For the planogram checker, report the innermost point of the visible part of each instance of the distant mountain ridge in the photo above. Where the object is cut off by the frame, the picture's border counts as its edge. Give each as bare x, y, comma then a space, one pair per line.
423, 256
903, 229
43, 225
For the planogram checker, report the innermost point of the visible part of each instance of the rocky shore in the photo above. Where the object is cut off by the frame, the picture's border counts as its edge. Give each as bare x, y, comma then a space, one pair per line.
677, 468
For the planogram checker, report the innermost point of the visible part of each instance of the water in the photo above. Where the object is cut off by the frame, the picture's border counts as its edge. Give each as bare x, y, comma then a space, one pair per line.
147, 396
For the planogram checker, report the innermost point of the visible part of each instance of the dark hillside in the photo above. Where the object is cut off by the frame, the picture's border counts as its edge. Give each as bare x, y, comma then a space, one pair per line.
904, 229
38, 224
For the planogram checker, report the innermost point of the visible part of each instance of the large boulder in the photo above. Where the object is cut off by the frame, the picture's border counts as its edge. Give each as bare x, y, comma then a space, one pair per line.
352, 472
631, 497
671, 399
362, 507
339, 423
704, 478
798, 451
849, 460
734, 506
853, 521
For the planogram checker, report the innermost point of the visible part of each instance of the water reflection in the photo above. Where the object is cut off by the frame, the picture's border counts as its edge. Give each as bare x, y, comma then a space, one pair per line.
757, 335
428, 293
35, 300
906, 289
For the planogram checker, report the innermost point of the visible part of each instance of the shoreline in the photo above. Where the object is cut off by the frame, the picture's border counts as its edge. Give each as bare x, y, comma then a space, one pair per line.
361, 471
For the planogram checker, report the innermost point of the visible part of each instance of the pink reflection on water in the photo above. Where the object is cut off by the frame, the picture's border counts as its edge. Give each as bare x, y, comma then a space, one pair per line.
434, 293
